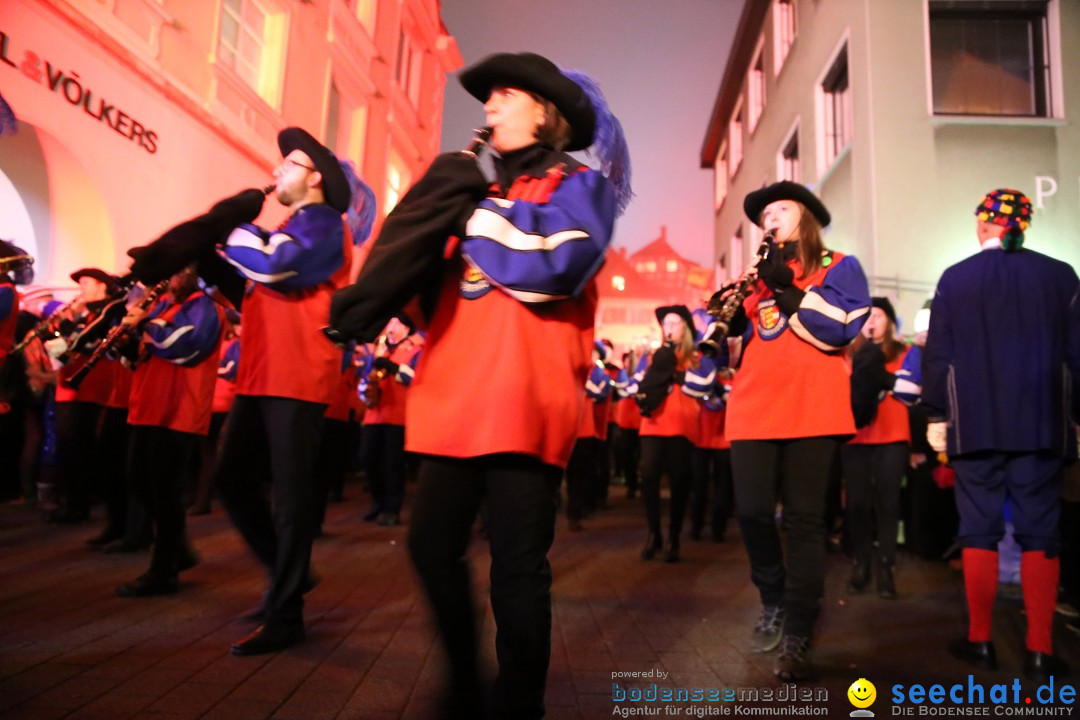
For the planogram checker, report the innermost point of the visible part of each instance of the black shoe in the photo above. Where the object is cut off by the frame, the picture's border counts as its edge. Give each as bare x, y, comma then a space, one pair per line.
1040, 667
860, 577
389, 519
886, 586
104, 538
653, 545
671, 555
123, 546
188, 559
148, 585
258, 614
373, 514
977, 654
793, 662
269, 638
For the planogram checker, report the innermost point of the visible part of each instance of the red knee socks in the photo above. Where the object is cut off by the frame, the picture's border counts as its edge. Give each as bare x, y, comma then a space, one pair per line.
980, 584
1039, 576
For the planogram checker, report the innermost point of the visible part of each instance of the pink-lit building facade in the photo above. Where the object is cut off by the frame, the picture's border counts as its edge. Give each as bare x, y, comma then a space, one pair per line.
137, 114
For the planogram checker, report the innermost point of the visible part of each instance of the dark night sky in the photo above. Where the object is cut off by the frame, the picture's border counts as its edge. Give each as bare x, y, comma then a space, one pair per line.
659, 63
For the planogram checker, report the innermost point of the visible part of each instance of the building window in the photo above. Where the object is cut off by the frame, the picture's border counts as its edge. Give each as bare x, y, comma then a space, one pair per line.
648, 266
672, 266
836, 109
787, 161
618, 282
397, 180
990, 58
358, 137
720, 176
333, 117
735, 140
250, 42
410, 61
736, 253
755, 88
365, 13
785, 27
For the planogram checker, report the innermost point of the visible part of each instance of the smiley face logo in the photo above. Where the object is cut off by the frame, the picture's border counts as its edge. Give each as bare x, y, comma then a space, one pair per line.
862, 693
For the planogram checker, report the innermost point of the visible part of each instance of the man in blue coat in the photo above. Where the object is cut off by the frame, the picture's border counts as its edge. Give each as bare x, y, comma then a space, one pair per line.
1001, 358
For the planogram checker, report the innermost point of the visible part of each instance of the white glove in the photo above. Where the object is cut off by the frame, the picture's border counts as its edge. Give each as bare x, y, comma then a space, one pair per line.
56, 347
936, 435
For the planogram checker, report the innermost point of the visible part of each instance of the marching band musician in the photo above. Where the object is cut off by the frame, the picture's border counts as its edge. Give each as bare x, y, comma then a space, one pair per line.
12, 370
712, 460
287, 373
387, 377
78, 412
669, 427
875, 460
171, 395
497, 397
583, 467
340, 432
628, 418
789, 410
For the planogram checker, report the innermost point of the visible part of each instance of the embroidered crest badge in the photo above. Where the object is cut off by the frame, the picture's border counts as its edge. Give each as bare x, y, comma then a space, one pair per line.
473, 285
771, 322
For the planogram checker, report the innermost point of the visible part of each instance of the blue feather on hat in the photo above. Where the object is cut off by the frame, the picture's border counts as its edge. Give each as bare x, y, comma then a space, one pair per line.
361, 213
609, 142
8, 124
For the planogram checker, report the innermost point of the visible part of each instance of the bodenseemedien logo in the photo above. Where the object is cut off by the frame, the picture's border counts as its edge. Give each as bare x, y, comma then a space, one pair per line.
862, 694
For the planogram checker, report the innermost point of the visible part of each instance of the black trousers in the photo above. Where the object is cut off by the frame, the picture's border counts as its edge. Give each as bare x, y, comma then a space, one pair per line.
115, 459
712, 476
795, 473
673, 455
275, 440
382, 456
520, 497
335, 458
581, 473
628, 450
872, 475
158, 460
77, 426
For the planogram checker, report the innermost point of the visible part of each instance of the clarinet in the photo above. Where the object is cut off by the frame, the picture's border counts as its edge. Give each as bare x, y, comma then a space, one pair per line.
480, 139
726, 302
116, 335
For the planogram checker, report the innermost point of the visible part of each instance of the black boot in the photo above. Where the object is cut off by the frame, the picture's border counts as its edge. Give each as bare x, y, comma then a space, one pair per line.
860, 576
886, 587
653, 544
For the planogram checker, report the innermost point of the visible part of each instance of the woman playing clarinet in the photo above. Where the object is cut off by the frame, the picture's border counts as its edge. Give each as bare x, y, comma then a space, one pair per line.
789, 411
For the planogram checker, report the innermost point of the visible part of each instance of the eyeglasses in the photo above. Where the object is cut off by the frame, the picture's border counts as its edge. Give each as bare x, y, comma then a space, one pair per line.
286, 162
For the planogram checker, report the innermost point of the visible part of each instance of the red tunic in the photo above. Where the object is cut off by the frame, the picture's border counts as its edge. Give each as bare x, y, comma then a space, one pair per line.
167, 395
786, 387
96, 387
120, 397
627, 414
391, 409
345, 397
285, 352
890, 425
677, 416
711, 423
7, 324
528, 364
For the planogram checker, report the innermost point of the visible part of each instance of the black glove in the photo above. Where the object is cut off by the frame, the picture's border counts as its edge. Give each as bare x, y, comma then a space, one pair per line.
774, 272
656, 383
868, 378
382, 363
679, 377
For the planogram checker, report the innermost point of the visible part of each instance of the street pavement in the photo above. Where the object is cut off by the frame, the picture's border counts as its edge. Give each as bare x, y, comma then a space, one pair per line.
69, 648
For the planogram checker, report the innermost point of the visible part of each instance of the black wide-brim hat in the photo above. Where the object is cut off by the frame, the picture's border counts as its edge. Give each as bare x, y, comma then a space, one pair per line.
680, 310
756, 201
100, 275
335, 186
885, 305
536, 74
